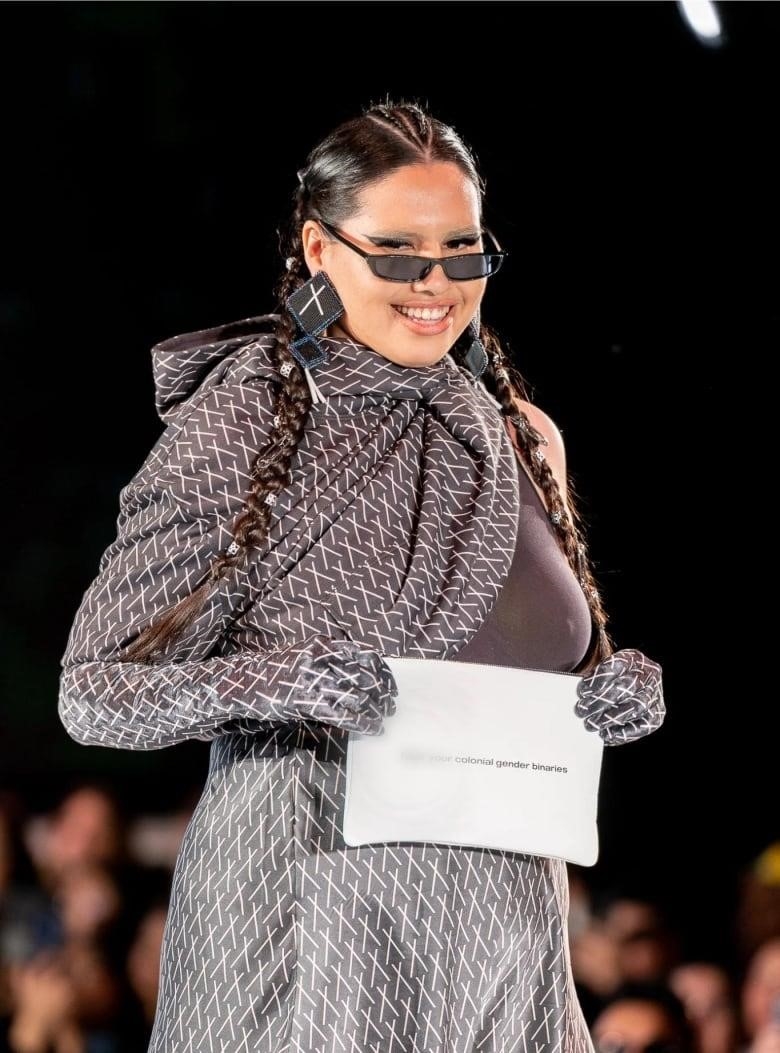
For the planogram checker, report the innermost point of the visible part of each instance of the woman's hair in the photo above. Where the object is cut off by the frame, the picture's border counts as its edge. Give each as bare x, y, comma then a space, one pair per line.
357, 153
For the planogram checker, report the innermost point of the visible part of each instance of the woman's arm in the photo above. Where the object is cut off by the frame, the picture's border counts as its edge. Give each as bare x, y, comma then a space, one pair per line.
174, 519
140, 707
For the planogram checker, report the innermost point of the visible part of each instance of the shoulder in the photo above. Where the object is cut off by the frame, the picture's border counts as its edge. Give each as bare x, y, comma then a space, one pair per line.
555, 450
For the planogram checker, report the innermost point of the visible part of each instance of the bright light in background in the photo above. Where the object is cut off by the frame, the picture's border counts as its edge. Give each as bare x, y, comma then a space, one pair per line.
703, 18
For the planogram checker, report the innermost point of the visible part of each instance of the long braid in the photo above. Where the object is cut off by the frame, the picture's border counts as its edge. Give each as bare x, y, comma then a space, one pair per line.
506, 384
270, 469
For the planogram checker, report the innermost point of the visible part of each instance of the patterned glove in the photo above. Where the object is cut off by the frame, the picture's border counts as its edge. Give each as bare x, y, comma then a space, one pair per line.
146, 706
340, 682
622, 698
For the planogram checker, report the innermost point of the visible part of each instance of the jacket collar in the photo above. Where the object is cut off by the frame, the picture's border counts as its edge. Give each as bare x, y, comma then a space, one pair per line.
356, 369
180, 364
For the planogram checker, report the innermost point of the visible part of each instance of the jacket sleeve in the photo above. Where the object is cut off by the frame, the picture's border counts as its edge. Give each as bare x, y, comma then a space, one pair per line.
174, 517
139, 707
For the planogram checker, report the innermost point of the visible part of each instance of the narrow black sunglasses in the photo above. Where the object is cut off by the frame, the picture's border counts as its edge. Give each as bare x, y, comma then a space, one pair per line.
394, 268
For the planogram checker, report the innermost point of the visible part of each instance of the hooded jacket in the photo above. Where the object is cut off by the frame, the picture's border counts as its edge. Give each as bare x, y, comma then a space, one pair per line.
397, 530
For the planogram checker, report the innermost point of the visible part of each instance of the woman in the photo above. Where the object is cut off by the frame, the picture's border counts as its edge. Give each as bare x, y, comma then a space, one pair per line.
340, 481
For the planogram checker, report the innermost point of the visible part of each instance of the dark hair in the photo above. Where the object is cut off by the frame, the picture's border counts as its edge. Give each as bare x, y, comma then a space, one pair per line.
357, 153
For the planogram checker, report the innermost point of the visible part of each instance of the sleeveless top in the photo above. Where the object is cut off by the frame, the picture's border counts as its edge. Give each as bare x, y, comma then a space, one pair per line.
541, 618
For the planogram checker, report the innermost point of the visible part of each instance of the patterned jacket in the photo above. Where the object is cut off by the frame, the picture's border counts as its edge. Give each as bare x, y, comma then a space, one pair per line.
397, 529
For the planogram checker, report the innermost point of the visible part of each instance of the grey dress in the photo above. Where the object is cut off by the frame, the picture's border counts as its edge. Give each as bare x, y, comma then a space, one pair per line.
280, 938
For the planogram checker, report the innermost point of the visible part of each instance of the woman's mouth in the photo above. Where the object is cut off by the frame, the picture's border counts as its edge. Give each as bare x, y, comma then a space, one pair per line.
429, 320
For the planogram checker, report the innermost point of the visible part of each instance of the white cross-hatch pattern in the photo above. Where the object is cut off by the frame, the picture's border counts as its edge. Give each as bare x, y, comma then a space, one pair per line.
397, 531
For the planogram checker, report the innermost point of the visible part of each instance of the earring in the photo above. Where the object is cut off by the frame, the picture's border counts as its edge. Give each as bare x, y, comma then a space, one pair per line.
476, 357
313, 306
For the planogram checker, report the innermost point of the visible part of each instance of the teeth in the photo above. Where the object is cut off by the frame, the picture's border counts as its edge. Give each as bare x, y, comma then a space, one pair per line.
425, 314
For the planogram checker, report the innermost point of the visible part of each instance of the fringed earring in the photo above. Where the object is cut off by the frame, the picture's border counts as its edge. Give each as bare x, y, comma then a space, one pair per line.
313, 306
476, 358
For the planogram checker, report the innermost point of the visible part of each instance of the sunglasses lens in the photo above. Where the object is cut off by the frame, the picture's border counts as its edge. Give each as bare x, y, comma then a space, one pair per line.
397, 268
413, 268
474, 265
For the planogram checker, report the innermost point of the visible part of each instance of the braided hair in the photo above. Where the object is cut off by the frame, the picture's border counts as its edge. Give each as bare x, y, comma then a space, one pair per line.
506, 384
358, 152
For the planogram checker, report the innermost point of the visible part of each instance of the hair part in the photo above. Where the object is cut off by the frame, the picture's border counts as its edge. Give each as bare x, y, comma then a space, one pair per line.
357, 153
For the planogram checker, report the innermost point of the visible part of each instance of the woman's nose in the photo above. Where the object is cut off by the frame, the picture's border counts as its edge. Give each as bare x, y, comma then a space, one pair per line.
435, 279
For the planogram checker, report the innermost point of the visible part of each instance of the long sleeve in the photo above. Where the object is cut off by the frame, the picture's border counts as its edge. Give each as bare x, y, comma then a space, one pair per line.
141, 707
174, 517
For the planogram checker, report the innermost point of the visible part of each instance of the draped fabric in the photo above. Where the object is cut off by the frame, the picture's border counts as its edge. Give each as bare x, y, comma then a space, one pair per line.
397, 530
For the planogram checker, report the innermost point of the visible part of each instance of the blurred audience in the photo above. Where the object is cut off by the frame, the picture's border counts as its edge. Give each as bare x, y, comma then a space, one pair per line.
620, 938
81, 920
643, 1018
647, 947
83, 905
760, 999
143, 962
707, 992
758, 911
86, 828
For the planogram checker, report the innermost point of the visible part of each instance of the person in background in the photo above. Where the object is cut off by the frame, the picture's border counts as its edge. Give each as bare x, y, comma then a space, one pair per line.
26, 911
760, 999
706, 991
643, 1018
85, 828
627, 939
758, 903
143, 966
647, 944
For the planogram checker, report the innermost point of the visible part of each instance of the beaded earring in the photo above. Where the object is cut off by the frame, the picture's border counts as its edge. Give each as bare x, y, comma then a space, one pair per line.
314, 306
476, 358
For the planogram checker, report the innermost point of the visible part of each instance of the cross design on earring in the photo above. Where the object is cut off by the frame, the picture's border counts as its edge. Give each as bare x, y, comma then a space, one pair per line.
314, 299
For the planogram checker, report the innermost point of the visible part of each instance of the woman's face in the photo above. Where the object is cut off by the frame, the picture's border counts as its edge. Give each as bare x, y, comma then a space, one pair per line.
429, 209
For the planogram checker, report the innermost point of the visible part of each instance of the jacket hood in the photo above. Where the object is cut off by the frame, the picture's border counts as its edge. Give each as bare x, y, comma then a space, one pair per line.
181, 363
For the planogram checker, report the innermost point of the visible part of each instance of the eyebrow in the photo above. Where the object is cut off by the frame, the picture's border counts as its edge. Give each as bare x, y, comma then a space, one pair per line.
405, 235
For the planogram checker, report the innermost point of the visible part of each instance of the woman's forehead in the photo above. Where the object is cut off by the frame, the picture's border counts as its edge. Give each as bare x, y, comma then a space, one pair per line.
435, 198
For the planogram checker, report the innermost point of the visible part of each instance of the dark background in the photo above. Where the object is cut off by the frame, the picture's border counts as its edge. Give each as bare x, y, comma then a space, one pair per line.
150, 153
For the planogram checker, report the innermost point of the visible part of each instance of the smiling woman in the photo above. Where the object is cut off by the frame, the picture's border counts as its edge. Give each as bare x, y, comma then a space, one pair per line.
352, 477
444, 291
411, 322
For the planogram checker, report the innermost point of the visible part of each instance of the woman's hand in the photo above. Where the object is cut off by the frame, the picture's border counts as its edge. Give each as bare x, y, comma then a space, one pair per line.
622, 698
343, 683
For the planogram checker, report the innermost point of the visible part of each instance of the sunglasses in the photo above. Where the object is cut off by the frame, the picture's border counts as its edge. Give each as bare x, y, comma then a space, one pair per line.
394, 268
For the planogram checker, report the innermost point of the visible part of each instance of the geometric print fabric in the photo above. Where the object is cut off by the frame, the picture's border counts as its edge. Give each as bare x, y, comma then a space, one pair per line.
397, 530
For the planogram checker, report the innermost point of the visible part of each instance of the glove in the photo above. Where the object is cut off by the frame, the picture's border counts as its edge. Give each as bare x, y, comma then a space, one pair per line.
339, 682
622, 698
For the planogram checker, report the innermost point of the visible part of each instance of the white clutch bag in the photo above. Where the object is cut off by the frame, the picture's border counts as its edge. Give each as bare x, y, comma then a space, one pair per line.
477, 755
